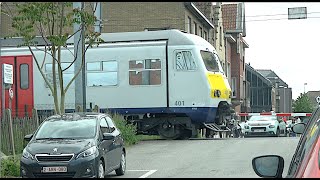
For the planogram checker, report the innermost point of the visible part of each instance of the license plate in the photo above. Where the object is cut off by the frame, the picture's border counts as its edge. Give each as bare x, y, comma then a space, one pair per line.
258, 130
54, 169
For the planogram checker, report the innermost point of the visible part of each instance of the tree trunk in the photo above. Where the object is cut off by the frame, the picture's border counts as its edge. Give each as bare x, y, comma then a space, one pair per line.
54, 80
62, 108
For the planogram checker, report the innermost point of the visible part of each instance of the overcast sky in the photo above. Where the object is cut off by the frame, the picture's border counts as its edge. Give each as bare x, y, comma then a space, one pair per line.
291, 48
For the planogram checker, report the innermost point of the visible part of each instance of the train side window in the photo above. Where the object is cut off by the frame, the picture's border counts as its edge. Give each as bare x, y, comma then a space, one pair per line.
24, 76
102, 73
185, 61
145, 72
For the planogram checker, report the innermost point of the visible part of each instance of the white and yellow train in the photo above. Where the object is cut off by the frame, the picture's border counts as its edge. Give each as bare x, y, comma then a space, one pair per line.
167, 82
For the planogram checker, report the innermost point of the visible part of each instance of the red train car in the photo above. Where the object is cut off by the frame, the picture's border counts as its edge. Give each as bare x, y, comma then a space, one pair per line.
22, 101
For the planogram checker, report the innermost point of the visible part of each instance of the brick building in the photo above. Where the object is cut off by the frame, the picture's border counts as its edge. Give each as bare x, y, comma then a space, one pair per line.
233, 16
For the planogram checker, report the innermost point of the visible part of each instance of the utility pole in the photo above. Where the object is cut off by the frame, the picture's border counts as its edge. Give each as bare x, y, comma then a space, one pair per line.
80, 81
97, 13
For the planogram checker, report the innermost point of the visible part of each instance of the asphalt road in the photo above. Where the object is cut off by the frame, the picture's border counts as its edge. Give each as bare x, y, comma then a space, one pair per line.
203, 158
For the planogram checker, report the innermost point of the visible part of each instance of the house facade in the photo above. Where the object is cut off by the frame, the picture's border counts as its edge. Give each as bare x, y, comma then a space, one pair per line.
140, 16
233, 16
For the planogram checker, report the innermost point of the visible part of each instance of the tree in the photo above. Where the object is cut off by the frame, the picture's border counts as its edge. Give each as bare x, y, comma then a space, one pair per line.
303, 104
54, 21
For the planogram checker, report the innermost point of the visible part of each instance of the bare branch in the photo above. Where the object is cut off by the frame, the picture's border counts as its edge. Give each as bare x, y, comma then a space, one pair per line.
82, 63
42, 35
76, 55
74, 33
42, 74
48, 23
44, 58
52, 20
59, 51
53, 57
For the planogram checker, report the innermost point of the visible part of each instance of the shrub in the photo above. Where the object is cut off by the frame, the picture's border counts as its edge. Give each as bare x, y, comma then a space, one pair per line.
128, 131
10, 167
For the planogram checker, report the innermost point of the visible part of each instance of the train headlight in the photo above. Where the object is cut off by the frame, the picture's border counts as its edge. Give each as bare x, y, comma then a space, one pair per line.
217, 93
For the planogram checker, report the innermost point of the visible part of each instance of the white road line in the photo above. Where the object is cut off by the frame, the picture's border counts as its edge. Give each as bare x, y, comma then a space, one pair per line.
148, 174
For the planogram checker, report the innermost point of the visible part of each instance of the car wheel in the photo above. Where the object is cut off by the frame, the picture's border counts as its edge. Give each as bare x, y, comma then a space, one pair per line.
100, 170
121, 170
278, 132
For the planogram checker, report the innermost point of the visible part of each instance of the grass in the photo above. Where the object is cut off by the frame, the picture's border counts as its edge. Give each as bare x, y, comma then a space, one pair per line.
10, 166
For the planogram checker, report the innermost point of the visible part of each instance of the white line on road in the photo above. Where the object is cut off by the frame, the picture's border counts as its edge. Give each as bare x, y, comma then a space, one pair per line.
146, 174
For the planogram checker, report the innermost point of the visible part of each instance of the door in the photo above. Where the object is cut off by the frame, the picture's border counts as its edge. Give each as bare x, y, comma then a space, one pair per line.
117, 143
108, 148
185, 80
22, 102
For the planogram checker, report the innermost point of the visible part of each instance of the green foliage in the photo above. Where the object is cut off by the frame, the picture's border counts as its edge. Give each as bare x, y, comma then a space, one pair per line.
10, 167
303, 104
128, 131
54, 23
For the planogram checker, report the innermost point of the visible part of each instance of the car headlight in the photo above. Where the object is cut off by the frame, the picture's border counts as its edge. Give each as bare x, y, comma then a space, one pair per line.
271, 126
246, 126
27, 155
89, 152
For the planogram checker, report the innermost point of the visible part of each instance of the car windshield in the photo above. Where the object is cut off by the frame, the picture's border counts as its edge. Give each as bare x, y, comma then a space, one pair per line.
211, 61
67, 129
263, 118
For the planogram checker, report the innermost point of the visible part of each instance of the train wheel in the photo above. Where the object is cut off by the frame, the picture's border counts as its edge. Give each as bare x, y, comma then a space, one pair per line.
168, 131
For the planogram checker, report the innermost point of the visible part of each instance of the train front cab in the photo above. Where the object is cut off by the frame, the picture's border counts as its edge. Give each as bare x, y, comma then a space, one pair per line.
22, 102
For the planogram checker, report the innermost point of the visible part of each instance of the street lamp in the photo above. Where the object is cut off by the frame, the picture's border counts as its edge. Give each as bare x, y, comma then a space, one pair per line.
304, 88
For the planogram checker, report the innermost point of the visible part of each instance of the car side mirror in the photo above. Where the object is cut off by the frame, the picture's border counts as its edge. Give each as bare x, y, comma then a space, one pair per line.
298, 128
268, 166
108, 136
28, 137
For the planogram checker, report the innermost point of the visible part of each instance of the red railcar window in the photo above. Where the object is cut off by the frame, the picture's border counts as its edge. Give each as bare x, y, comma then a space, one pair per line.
24, 76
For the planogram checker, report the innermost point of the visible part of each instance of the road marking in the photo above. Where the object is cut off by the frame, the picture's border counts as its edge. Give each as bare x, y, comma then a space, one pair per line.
146, 174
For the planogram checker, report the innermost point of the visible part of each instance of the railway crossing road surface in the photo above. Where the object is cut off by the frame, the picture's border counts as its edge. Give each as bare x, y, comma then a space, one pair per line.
203, 158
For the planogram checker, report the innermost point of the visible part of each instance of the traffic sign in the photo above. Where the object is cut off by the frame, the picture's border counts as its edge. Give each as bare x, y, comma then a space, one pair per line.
8, 73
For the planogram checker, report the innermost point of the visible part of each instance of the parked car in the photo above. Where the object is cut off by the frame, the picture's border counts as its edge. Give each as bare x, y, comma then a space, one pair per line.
74, 145
269, 125
305, 161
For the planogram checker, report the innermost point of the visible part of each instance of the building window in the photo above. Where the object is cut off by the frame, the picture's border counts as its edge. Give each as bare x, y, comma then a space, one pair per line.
185, 61
234, 86
24, 76
195, 28
103, 73
200, 31
189, 25
145, 72
67, 74
205, 35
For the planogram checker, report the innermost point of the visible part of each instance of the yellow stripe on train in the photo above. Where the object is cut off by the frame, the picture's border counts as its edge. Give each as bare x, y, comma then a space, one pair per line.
219, 86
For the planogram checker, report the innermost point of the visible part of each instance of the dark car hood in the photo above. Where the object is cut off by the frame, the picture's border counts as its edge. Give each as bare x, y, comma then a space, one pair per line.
63, 146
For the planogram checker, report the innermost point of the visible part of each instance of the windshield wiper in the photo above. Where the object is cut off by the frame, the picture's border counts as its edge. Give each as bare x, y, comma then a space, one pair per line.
51, 138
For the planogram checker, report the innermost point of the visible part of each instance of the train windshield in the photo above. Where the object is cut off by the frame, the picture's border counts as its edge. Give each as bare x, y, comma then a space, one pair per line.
211, 61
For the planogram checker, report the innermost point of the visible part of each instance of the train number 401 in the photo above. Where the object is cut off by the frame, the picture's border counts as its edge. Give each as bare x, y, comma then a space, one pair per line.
179, 103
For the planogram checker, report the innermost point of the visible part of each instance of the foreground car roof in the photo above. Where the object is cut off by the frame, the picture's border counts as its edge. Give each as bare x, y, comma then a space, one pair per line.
75, 116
